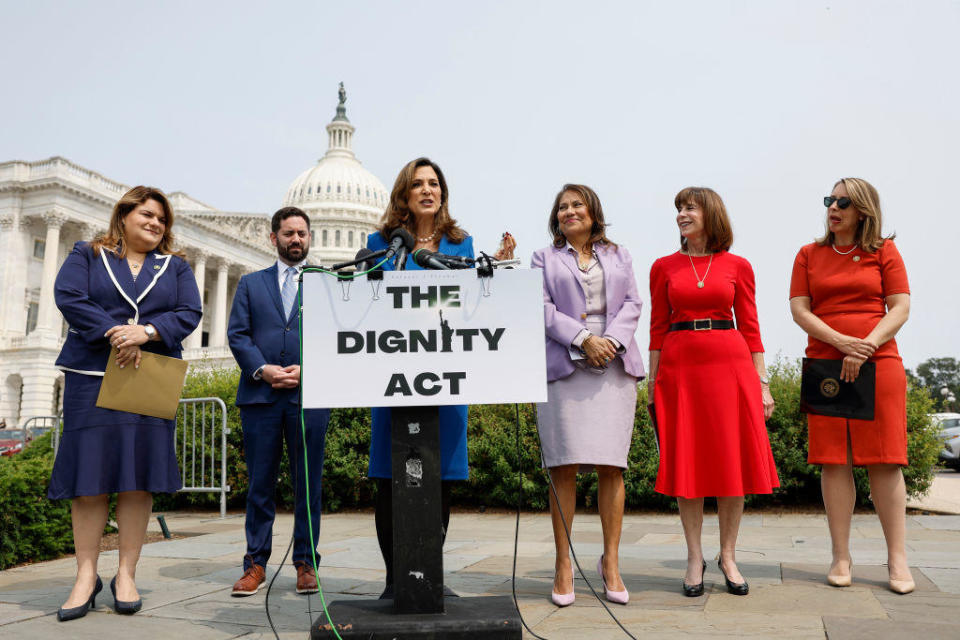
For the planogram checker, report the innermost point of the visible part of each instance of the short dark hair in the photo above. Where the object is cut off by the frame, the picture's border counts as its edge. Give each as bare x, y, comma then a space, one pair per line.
716, 223
283, 214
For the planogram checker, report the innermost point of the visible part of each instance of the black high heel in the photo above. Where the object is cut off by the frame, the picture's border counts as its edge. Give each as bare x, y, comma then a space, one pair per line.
695, 590
123, 606
78, 612
740, 589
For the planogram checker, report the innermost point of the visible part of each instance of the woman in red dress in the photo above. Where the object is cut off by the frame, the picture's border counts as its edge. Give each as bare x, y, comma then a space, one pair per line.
849, 292
709, 382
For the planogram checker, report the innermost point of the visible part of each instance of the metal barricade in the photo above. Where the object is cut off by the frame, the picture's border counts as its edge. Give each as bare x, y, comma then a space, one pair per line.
199, 446
196, 441
36, 426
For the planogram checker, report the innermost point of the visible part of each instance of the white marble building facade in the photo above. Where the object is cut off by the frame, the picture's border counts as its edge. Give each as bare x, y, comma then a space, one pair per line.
47, 206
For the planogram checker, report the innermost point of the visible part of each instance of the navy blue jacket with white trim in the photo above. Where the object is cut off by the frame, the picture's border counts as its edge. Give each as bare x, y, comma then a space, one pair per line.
95, 293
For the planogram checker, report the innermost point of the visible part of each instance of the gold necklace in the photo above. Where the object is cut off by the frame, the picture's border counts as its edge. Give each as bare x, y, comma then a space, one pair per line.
695, 274
584, 266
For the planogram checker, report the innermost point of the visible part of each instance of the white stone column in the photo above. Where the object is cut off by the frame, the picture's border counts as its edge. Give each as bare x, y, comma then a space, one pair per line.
46, 320
195, 339
218, 324
89, 231
39, 381
10, 304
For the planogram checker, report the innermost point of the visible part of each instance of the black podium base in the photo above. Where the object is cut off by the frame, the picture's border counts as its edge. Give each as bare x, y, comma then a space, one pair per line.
487, 617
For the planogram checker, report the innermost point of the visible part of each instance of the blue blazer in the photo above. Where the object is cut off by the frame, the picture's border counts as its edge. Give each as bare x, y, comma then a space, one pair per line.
259, 334
453, 418
376, 242
95, 293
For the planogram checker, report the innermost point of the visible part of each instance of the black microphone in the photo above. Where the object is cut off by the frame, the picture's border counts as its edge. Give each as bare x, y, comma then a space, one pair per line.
455, 262
364, 262
401, 243
428, 260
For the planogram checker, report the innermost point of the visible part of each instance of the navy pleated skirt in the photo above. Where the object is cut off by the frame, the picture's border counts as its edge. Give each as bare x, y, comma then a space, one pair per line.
106, 451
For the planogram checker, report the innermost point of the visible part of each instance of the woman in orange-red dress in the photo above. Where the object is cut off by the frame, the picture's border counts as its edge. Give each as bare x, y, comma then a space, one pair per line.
708, 382
849, 292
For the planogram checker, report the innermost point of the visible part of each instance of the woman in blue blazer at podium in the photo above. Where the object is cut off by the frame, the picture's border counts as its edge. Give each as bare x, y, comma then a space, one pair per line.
419, 203
130, 290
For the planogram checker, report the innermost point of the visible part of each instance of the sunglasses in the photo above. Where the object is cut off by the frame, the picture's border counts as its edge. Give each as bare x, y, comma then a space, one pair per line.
842, 203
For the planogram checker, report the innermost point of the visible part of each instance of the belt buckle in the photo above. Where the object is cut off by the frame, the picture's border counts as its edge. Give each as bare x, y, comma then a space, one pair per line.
707, 324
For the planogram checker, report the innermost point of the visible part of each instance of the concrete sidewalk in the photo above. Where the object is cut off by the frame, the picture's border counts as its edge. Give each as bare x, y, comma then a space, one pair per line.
185, 583
944, 494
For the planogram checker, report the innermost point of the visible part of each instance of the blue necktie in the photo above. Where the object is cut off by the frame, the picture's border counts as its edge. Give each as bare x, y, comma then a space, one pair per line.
289, 292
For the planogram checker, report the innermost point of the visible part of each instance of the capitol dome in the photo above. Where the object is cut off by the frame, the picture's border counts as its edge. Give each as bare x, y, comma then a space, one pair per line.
344, 200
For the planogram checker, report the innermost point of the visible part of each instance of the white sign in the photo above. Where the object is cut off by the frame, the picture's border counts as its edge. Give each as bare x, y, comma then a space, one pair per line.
423, 338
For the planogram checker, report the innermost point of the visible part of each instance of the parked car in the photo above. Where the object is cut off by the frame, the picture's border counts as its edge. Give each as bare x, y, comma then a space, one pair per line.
949, 424
12, 441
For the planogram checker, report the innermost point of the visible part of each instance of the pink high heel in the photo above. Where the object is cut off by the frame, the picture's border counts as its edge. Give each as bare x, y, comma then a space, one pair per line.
563, 599
619, 597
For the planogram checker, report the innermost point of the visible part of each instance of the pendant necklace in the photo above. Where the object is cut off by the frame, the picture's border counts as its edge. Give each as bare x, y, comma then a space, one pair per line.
696, 275
847, 252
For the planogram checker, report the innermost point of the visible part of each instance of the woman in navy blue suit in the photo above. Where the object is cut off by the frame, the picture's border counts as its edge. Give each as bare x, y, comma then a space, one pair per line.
126, 289
420, 204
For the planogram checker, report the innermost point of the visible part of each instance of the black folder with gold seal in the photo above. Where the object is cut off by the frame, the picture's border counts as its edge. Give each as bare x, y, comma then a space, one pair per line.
823, 393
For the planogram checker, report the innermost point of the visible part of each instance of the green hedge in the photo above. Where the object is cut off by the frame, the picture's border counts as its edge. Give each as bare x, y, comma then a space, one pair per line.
33, 528
493, 458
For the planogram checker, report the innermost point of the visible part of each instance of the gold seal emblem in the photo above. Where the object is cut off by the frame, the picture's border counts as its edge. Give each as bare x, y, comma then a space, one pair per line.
829, 388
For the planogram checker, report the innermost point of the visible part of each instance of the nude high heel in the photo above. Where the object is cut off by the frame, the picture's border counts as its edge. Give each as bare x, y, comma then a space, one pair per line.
841, 581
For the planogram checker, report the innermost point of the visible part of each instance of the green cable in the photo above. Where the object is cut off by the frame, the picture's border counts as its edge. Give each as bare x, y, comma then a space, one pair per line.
342, 276
306, 468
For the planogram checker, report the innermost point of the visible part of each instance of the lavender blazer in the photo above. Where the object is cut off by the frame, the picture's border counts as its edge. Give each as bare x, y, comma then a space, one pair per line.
564, 306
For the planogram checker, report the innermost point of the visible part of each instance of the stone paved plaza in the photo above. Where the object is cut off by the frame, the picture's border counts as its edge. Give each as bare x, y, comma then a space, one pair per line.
186, 582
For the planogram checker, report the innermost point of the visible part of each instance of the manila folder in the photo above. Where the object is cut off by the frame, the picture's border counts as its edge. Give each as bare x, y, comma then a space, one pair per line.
152, 390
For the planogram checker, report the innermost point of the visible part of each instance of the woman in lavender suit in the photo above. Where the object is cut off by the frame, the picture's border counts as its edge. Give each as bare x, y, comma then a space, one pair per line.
591, 308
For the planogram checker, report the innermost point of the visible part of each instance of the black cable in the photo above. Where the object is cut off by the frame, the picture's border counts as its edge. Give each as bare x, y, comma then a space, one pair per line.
266, 600
566, 529
516, 530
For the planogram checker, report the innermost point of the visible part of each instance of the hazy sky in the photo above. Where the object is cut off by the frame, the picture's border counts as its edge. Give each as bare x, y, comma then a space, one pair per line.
768, 102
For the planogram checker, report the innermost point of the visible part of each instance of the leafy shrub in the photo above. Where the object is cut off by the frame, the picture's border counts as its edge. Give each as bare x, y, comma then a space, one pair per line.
32, 528
492, 450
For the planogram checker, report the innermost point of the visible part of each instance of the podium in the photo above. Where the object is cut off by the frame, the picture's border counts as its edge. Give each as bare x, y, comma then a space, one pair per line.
414, 369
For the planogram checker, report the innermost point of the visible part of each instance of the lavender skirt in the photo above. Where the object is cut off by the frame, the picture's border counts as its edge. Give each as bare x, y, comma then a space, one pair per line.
588, 417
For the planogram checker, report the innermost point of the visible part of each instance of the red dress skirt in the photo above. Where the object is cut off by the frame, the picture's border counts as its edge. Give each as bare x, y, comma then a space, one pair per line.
713, 438
848, 291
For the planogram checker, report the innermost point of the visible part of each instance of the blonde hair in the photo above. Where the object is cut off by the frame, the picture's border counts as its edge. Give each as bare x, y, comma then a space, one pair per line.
398, 215
865, 199
112, 240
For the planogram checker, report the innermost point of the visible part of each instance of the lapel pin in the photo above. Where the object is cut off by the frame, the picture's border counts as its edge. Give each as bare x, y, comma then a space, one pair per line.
156, 267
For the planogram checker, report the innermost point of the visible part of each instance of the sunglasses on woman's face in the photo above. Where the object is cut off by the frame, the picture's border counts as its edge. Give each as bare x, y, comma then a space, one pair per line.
842, 203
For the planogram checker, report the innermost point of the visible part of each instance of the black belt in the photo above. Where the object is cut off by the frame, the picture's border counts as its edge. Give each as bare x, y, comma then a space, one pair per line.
706, 324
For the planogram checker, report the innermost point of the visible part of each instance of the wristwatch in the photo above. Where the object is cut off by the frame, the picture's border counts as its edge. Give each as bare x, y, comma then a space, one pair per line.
764, 380
150, 331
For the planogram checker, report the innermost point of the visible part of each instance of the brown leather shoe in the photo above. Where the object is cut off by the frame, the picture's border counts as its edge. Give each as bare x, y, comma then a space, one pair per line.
252, 581
306, 579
